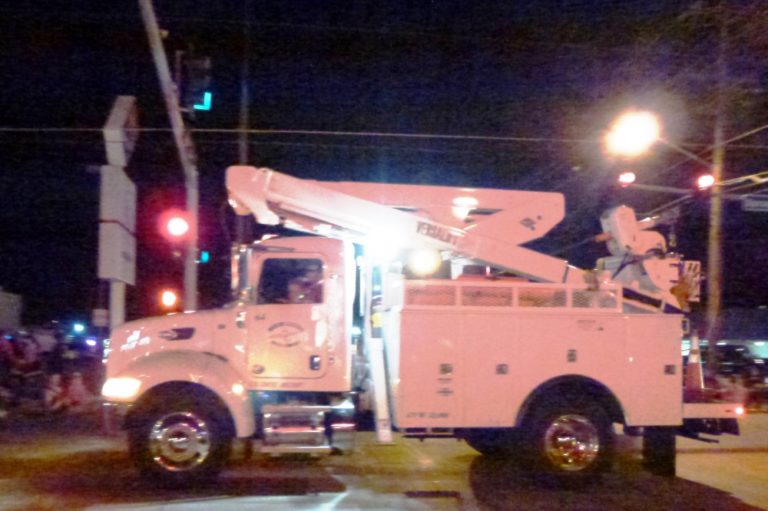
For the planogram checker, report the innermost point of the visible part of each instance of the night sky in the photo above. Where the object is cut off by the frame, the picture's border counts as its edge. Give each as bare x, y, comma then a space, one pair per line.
539, 80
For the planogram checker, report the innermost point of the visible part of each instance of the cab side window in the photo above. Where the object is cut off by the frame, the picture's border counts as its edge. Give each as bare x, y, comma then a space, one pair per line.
291, 281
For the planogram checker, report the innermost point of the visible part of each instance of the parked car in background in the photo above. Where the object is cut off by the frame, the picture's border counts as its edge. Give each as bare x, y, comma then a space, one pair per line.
739, 360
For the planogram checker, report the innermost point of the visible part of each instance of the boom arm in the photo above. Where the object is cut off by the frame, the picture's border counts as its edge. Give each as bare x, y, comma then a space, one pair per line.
476, 223
482, 224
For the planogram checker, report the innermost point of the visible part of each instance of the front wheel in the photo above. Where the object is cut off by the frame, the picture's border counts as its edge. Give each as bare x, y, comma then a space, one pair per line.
180, 440
570, 441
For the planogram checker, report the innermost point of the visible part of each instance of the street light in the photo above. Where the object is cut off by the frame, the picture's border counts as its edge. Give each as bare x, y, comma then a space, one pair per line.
632, 133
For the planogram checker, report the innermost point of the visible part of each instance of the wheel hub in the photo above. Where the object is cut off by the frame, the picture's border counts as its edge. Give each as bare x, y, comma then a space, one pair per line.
572, 443
179, 441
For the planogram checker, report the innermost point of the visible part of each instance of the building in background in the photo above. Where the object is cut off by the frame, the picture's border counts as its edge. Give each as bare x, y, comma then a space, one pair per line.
10, 310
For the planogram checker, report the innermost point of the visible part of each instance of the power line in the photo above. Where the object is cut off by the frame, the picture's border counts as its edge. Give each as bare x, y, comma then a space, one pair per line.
353, 134
328, 133
382, 134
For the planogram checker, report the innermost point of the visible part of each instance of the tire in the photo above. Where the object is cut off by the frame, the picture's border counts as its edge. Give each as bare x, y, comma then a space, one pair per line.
176, 441
569, 440
493, 441
659, 450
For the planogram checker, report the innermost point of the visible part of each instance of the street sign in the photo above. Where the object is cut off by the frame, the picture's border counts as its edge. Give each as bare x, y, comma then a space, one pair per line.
121, 131
117, 226
755, 203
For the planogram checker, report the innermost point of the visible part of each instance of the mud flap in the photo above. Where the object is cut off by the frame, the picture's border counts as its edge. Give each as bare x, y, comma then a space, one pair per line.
659, 450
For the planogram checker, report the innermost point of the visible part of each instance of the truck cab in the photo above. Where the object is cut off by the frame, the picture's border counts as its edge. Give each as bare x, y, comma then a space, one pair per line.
274, 364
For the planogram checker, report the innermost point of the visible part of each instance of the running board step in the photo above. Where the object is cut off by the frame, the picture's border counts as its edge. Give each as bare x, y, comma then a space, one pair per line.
306, 429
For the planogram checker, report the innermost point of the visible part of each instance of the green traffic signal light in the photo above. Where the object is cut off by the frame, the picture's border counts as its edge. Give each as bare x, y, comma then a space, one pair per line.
197, 83
206, 103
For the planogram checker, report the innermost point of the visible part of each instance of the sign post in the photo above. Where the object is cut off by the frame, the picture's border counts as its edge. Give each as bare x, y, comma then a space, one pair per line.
117, 210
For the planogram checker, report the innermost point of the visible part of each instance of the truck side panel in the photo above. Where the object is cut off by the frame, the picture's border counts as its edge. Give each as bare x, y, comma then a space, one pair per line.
655, 370
475, 366
478, 368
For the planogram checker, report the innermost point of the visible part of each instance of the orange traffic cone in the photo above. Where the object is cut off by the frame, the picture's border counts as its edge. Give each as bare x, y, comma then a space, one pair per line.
693, 384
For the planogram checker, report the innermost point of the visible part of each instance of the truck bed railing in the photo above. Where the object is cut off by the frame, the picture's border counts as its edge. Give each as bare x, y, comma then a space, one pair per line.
503, 294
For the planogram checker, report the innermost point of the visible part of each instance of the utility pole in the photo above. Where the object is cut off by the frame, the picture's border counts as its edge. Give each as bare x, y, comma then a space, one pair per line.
714, 239
184, 146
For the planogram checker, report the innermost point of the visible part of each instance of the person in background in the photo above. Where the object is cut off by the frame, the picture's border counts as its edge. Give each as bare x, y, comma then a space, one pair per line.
55, 391
6, 354
46, 340
26, 377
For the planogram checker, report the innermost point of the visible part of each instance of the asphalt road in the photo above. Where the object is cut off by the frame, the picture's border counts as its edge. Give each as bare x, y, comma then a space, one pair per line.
54, 463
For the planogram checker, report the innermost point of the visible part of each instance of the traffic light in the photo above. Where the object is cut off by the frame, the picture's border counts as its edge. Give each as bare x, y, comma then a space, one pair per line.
174, 225
705, 181
177, 226
626, 178
197, 83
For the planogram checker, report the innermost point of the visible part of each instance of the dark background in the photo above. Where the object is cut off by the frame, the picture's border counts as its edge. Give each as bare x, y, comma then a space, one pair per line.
524, 89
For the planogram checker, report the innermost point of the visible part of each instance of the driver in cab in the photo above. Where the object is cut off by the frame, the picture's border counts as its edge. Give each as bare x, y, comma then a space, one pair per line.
306, 288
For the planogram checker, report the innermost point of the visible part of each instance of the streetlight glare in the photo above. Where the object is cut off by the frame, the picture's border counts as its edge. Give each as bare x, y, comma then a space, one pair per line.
633, 133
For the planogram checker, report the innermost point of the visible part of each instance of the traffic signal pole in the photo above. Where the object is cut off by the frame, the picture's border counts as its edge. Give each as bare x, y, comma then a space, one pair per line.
184, 146
243, 233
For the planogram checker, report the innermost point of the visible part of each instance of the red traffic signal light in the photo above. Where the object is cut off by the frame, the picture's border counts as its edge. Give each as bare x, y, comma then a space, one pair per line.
174, 224
627, 178
177, 226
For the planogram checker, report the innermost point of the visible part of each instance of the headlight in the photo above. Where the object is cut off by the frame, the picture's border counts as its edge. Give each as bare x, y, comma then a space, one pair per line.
120, 388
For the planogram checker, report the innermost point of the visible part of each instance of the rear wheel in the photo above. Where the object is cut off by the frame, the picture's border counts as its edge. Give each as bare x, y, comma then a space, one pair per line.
179, 440
569, 440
